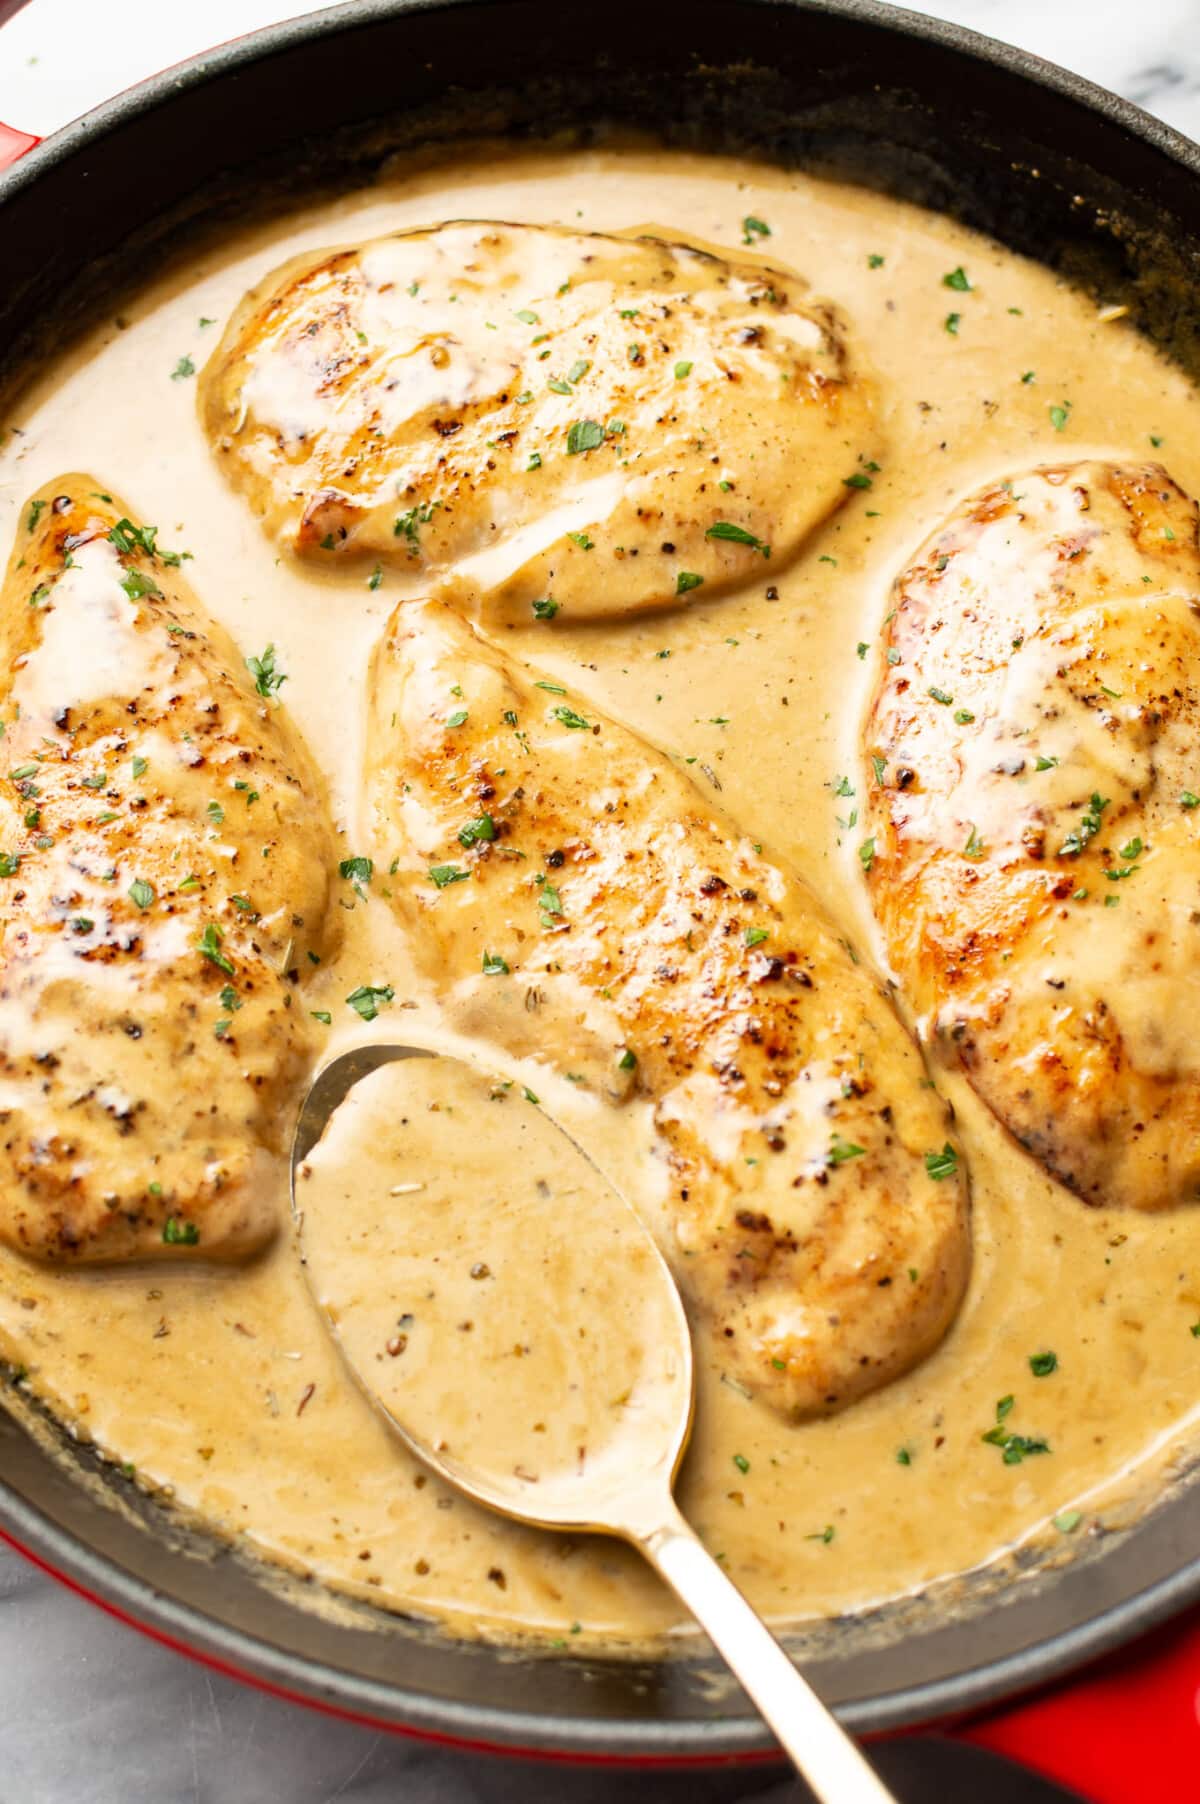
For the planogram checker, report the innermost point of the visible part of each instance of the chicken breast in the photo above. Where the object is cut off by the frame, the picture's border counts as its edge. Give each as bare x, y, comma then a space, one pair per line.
573, 895
581, 424
1036, 817
164, 871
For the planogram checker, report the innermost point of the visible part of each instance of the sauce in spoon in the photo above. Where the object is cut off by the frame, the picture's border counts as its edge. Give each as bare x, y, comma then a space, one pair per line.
498, 1299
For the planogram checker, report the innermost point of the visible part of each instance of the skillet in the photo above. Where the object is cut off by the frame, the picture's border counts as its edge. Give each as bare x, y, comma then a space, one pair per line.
1041, 160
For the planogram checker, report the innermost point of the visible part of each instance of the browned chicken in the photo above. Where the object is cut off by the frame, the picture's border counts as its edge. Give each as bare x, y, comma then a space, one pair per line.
578, 423
1035, 850
163, 873
573, 895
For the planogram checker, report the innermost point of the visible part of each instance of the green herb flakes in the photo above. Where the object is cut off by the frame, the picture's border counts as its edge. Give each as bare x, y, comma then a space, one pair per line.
366, 999
268, 679
942, 1165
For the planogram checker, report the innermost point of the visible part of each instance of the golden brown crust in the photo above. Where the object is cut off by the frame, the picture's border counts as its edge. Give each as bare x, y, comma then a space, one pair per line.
1036, 864
562, 417
166, 869
574, 897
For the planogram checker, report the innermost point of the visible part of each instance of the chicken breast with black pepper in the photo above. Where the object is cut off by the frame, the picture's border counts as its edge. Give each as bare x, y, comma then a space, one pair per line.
578, 423
574, 896
1035, 820
163, 876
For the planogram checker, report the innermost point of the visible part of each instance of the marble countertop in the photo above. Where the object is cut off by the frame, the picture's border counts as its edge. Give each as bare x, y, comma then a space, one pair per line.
92, 1712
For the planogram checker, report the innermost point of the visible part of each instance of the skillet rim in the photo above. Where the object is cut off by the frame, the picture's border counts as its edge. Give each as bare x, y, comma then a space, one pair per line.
356, 1697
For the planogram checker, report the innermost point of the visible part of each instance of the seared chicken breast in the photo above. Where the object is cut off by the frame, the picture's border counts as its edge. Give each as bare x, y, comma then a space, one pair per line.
580, 424
1034, 857
573, 895
163, 874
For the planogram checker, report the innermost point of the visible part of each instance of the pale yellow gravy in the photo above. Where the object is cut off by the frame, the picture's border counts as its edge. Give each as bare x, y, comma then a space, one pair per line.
224, 1386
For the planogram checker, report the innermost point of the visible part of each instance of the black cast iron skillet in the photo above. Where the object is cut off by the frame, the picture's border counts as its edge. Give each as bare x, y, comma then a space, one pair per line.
1043, 161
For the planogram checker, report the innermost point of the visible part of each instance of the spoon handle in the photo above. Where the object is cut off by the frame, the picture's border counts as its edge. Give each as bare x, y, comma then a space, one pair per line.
806, 1728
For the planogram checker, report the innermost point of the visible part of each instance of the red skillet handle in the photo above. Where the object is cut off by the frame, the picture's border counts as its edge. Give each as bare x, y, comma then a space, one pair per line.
14, 144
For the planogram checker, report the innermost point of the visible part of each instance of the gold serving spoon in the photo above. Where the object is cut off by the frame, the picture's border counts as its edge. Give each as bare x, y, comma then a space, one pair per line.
517, 1326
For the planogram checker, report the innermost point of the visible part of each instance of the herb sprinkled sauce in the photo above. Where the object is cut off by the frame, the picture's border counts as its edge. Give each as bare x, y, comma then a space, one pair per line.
1086, 1318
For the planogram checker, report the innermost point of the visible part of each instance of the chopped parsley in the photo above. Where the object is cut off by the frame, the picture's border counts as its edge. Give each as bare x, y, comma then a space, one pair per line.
1067, 1521
365, 1000
1089, 826
957, 279
407, 525
36, 509
443, 875
627, 1060
376, 577
754, 936
268, 680
569, 718
866, 855
736, 535
753, 228
942, 1165
127, 538
494, 965
457, 719
681, 370
545, 609
185, 367
178, 1233
1014, 1447
209, 945
483, 827
952, 323
141, 893
687, 580
841, 1150
1059, 415
584, 435
549, 901
859, 480
1042, 1364
136, 586
939, 695
741, 1462
356, 870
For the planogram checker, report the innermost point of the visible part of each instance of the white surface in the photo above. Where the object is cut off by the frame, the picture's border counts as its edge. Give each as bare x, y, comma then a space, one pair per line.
92, 1713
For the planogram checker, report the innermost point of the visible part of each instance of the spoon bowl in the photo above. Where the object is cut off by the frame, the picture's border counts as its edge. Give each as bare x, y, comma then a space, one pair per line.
526, 1340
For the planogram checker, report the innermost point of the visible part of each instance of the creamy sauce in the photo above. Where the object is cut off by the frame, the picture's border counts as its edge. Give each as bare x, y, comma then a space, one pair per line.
224, 1385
